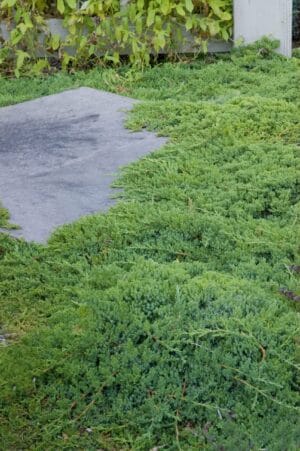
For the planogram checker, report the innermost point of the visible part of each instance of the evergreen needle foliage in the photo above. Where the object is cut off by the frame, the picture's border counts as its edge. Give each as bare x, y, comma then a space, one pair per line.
161, 323
4, 216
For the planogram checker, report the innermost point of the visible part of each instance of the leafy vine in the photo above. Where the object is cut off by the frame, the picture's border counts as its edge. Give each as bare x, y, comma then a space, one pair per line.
104, 30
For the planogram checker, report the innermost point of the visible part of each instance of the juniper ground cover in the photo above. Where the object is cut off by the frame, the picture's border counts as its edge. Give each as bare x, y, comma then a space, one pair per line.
163, 323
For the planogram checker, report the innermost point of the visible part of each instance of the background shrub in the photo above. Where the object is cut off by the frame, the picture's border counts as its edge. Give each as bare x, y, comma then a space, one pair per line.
100, 30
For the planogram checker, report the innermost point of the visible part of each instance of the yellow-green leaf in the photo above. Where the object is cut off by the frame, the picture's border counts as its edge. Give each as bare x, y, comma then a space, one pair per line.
71, 3
189, 5
55, 41
189, 23
165, 7
60, 6
21, 56
180, 10
150, 18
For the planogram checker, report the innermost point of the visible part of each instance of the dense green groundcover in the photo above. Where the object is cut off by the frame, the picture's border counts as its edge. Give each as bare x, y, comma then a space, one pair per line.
4, 216
161, 323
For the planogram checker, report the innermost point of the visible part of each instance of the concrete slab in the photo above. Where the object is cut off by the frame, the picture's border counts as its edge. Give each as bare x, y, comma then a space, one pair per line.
59, 155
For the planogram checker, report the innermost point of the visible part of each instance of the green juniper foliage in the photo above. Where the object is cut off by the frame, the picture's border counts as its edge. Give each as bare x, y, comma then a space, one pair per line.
161, 323
4, 216
5, 219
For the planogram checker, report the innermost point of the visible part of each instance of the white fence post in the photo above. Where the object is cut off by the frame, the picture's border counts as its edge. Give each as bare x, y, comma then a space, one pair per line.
254, 19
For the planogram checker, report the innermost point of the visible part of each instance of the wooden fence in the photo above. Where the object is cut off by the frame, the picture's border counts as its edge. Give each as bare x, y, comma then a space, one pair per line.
253, 19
